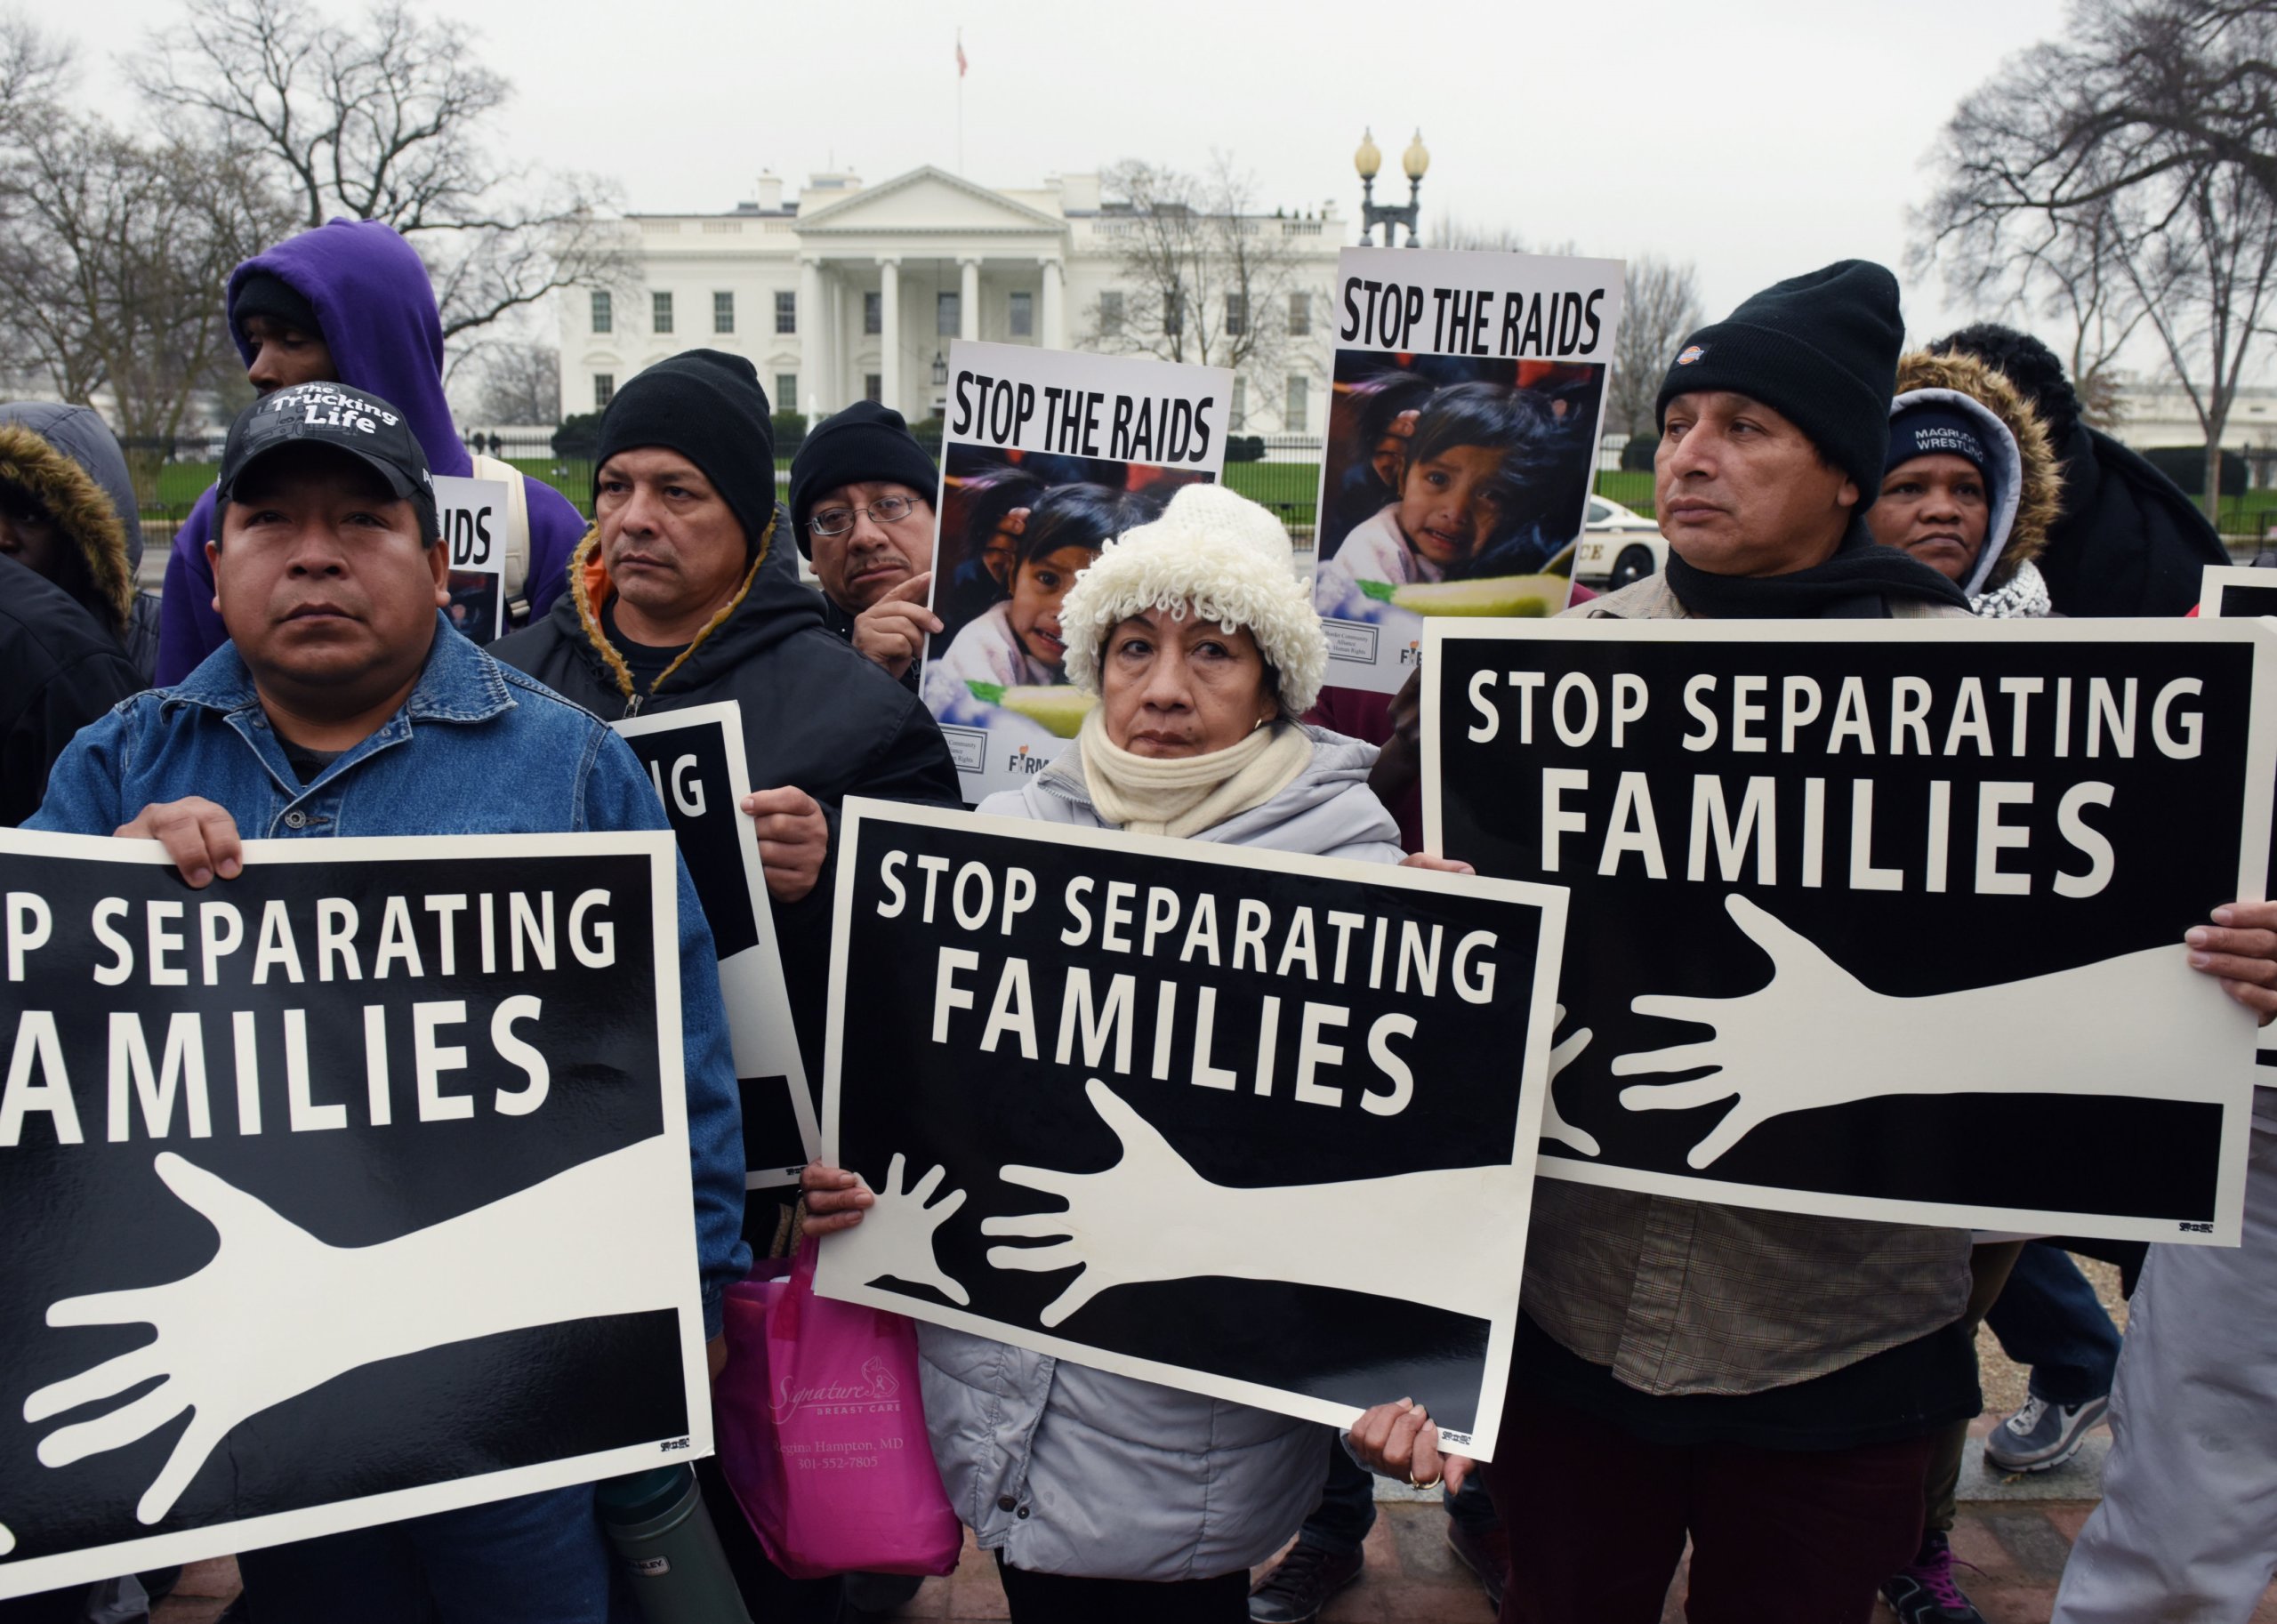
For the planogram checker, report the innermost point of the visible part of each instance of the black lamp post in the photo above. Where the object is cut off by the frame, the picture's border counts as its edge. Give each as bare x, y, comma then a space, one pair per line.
1413, 162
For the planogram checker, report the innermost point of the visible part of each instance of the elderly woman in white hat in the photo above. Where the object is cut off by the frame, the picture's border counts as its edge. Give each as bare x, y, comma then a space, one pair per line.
1133, 1500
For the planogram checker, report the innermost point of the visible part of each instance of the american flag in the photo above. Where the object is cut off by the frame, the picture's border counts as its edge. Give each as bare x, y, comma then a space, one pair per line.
961, 65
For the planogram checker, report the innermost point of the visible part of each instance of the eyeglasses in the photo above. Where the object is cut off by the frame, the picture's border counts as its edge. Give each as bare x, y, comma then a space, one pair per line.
838, 522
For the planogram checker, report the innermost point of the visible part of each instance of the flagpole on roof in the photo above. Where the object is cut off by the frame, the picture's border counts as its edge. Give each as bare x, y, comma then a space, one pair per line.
959, 99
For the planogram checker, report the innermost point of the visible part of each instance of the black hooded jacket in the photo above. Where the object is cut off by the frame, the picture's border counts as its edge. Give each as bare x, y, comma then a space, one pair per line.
60, 669
2128, 542
816, 715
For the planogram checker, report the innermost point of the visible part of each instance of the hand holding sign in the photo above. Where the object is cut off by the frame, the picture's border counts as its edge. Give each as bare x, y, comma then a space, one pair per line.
1119, 1225
892, 630
256, 1285
894, 1235
793, 837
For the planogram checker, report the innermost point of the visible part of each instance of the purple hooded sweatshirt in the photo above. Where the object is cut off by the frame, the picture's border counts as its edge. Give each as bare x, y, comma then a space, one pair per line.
376, 306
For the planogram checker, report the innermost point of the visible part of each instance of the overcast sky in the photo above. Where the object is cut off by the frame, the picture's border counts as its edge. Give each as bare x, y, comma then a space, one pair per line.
1757, 138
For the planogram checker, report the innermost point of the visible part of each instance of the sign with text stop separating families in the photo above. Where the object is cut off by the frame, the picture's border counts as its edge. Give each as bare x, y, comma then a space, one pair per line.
2232, 593
1180, 1110
695, 761
350, 1189
1860, 908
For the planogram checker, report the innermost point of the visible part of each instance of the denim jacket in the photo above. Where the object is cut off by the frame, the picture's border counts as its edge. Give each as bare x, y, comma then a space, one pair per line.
478, 749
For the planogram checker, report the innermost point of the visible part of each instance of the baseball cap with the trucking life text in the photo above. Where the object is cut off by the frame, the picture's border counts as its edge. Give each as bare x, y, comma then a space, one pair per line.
354, 421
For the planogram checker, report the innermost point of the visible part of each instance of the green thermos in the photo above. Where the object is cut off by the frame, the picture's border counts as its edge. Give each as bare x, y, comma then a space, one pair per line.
657, 1523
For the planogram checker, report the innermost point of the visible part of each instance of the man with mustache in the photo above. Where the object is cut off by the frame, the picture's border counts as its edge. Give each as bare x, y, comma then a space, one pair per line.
340, 704
862, 508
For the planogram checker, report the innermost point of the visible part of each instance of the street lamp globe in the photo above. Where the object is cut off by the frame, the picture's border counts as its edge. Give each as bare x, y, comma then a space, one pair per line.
1417, 158
1367, 160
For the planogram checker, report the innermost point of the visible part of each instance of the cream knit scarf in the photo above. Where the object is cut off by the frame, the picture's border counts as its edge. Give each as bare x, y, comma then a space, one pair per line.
1183, 795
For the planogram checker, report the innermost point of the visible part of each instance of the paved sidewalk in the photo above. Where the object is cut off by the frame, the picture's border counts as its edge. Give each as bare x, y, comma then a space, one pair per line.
1413, 1578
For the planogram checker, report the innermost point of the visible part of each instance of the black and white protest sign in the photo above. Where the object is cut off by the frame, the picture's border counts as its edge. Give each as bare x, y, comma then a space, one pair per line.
353, 1188
1045, 454
695, 761
473, 514
1461, 438
1860, 907
2233, 592
1223, 1088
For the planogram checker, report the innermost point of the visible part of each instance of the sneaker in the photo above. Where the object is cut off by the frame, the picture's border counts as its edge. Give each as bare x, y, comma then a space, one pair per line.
1925, 1593
2042, 1435
1300, 1584
1486, 1553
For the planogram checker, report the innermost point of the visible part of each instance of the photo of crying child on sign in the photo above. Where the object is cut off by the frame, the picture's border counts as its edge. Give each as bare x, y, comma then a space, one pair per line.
1462, 435
1048, 457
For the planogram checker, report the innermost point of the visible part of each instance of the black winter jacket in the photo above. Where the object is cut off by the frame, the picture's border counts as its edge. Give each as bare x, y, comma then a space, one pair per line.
58, 671
2128, 543
816, 715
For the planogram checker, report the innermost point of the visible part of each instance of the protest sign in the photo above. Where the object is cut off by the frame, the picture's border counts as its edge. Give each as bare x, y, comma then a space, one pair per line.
1462, 435
386, 1140
474, 516
695, 761
1045, 454
2232, 591
1244, 1072
1859, 906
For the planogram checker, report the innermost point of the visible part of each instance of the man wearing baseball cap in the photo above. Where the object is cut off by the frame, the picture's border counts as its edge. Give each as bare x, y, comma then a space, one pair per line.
343, 704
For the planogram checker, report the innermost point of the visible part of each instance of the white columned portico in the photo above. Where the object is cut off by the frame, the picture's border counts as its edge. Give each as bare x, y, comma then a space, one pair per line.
811, 327
889, 331
1055, 302
969, 301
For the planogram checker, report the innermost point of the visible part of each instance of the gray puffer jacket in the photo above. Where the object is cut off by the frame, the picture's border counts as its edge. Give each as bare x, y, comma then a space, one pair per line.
1068, 1469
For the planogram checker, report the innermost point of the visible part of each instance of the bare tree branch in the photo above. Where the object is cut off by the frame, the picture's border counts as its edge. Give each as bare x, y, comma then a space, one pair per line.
391, 119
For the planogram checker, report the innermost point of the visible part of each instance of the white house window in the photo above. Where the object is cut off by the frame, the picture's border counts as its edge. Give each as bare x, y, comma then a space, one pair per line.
1241, 403
873, 386
604, 316
1111, 313
1294, 419
786, 311
948, 315
873, 314
786, 391
660, 313
723, 312
1236, 314
604, 389
1300, 315
1022, 313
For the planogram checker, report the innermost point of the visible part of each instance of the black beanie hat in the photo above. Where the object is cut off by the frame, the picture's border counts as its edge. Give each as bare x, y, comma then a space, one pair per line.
865, 443
1820, 349
708, 406
265, 293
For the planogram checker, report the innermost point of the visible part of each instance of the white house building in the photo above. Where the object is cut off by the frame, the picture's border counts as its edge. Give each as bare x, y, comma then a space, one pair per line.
854, 291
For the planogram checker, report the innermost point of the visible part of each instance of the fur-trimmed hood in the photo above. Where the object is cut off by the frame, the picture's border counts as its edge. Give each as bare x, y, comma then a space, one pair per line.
2032, 482
66, 459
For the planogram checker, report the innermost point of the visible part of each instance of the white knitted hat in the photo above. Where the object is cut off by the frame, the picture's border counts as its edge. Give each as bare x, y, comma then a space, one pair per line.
1227, 558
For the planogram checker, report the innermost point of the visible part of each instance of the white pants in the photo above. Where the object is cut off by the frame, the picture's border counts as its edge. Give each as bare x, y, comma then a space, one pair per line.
2187, 1530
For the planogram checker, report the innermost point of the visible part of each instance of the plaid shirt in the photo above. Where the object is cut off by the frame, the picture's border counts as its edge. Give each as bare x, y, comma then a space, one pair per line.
1681, 1296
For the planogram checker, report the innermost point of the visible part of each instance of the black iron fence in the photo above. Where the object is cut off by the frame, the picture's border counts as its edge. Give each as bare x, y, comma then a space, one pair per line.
171, 474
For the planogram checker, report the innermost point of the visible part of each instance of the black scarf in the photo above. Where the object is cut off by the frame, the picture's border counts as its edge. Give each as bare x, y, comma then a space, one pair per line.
1858, 582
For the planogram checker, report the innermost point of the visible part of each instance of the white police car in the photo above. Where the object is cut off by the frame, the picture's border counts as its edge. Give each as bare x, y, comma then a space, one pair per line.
1617, 547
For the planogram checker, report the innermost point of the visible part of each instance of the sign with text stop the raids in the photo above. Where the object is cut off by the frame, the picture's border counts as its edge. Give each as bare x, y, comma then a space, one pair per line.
474, 515
1180, 1110
1880, 920
350, 1189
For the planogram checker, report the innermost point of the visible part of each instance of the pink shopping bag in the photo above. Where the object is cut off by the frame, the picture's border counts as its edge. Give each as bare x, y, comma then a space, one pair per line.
822, 1433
